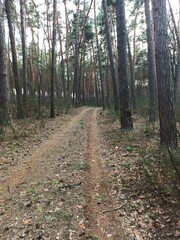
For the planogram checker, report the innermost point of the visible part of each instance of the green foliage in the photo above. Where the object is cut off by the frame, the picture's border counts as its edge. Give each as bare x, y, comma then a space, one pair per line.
126, 165
129, 148
48, 218
65, 217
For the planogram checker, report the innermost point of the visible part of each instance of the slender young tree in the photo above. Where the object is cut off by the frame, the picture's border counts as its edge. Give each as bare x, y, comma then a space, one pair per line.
151, 65
99, 58
53, 62
20, 110
125, 110
111, 58
76, 67
168, 132
4, 99
67, 52
24, 51
177, 74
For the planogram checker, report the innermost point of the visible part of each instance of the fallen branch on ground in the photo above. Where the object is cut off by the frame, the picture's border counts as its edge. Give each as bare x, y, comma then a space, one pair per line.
114, 209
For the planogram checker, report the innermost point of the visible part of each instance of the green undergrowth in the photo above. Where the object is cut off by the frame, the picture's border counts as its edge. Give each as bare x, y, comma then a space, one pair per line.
79, 165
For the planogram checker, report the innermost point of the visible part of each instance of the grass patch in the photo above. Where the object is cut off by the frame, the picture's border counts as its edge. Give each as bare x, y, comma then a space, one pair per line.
82, 123
65, 217
79, 166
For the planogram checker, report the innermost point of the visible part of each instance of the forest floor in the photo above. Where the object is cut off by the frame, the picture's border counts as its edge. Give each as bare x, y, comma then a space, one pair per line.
80, 177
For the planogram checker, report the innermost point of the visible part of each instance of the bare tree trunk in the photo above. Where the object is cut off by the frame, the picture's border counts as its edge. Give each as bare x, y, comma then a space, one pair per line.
53, 63
151, 66
24, 51
62, 64
132, 76
99, 58
67, 52
76, 68
4, 91
125, 110
111, 58
168, 131
177, 74
20, 110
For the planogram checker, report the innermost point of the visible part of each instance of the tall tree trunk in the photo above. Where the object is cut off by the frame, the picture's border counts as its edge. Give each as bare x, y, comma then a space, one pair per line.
168, 132
111, 58
125, 110
4, 94
62, 64
151, 66
53, 63
76, 67
20, 110
133, 96
24, 52
67, 53
132, 76
99, 58
177, 74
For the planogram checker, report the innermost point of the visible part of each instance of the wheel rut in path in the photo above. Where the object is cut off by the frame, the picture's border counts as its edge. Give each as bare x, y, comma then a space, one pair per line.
101, 225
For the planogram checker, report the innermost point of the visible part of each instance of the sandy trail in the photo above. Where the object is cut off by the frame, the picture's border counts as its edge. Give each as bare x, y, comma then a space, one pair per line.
70, 146
35, 165
102, 225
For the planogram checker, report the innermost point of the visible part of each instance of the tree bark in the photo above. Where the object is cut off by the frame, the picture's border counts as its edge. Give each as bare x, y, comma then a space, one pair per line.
125, 110
111, 58
53, 63
20, 110
151, 66
99, 58
76, 67
24, 52
168, 131
4, 91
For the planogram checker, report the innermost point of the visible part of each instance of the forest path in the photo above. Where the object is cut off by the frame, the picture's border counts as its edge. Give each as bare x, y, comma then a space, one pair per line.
60, 190
102, 223
35, 165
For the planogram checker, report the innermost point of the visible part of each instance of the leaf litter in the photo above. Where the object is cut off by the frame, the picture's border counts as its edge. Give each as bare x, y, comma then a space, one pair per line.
52, 204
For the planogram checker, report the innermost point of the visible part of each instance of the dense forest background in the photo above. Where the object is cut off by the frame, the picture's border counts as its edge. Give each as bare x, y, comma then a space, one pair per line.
59, 54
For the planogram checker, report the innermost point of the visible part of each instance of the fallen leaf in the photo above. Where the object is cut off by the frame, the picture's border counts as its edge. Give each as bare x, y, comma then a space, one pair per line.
28, 221
177, 234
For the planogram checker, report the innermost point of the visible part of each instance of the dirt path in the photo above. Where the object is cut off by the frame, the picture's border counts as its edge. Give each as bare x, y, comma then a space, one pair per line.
60, 190
36, 165
101, 220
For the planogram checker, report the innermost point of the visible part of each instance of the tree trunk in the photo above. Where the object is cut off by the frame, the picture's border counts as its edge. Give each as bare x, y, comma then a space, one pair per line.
62, 64
177, 73
67, 53
4, 91
168, 131
151, 66
53, 63
125, 110
111, 58
132, 76
20, 110
24, 52
76, 67
99, 58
